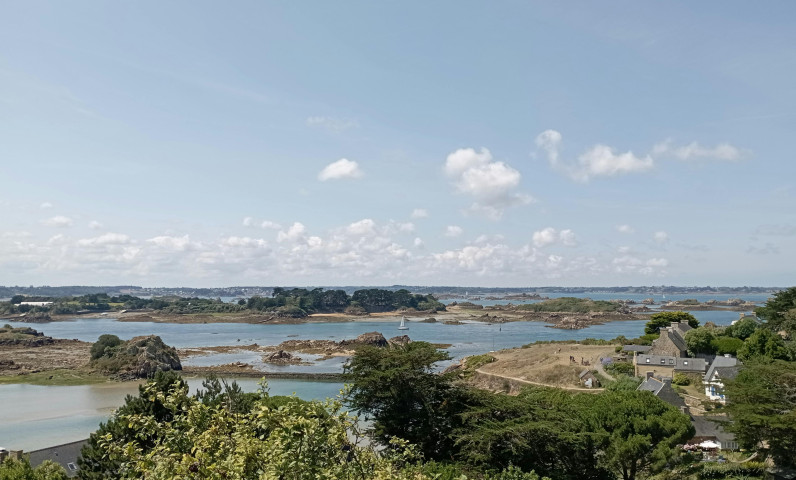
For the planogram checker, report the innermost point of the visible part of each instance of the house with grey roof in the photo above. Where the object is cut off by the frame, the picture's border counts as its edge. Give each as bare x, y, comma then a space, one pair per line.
722, 368
65, 455
662, 388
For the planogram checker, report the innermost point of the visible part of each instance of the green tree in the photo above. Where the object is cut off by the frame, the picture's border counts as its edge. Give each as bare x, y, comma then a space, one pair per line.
541, 430
779, 312
12, 469
727, 345
742, 329
762, 404
763, 346
104, 346
664, 319
94, 462
700, 340
639, 432
399, 390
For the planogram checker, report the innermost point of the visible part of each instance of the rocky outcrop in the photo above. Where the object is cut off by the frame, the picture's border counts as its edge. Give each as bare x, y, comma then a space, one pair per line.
399, 340
281, 357
139, 357
24, 336
374, 339
34, 317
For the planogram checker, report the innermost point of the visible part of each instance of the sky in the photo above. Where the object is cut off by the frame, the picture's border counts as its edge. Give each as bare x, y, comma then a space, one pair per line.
513, 143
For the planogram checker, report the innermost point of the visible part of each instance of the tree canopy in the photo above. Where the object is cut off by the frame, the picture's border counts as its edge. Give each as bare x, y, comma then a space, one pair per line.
779, 312
664, 319
762, 404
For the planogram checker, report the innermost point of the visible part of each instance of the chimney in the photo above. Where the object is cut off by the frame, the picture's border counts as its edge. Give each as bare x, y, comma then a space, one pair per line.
15, 454
649, 375
684, 409
3, 454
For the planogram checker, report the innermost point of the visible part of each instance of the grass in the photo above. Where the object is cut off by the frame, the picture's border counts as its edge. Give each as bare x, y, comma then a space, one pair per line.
61, 377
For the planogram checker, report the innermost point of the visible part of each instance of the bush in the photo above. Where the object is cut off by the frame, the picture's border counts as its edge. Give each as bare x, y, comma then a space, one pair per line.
723, 345
728, 470
621, 368
104, 346
681, 379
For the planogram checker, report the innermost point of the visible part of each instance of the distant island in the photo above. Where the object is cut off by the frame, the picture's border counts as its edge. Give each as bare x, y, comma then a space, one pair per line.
450, 291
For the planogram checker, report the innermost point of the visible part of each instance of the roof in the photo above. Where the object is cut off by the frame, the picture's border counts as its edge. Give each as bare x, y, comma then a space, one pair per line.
678, 363
721, 362
584, 373
65, 455
636, 348
711, 427
662, 390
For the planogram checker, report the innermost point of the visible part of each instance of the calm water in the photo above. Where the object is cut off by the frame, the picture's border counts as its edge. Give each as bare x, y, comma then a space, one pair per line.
34, 417
638, 297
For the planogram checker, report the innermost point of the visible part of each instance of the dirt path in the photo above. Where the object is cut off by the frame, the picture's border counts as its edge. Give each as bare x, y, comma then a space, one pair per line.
528, 382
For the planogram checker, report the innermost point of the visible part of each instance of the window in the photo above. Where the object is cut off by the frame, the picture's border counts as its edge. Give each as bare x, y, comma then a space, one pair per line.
685, 362
648, 359
671, 361
72, 467
663, 361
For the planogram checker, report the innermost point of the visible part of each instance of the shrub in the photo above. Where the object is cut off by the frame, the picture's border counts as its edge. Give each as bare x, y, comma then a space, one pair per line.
104, 346
681, 379
724, 345
621, 368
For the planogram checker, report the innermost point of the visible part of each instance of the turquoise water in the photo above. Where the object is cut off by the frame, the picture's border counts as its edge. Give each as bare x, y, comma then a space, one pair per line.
34, 417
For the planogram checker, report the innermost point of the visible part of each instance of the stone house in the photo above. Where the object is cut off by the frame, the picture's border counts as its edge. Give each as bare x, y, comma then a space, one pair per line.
722, 368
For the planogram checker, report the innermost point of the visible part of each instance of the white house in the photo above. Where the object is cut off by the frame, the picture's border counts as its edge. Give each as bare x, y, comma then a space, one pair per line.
722, 368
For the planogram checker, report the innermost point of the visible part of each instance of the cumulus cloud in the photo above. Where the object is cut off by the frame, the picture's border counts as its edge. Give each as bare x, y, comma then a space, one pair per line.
418, 242
419, 213
171, 243
58, 221
294, 232
331, 124
94, 225
46, 205
340, 169
105, 239
453, 231
269, 225
598, 161
694, 151
248, 222
661, 237
625, 229
492, 184
550, 235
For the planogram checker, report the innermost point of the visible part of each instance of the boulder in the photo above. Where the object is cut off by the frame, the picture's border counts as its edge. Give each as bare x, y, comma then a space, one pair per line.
375, 339
399, 340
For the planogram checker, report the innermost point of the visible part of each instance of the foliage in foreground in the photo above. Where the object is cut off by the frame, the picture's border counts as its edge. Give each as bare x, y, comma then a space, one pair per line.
11, 469
223, 433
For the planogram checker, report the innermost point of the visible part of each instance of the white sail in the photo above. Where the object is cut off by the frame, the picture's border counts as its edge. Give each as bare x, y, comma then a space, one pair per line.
403, 326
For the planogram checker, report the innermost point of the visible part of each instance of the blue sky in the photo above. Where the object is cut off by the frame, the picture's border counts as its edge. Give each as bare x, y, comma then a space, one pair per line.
377, 143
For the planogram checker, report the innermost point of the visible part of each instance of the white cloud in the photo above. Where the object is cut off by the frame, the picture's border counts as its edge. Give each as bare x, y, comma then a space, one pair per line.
269, 225
248, 221
418, 242
46, 205
419, 213
661, 237
625, 229
94, 225
598, 161
332, 124
340, 169
295, 232
363, 227
105, 239
694, 151
550, 235
453, 231
544, 237
657, 262
59, 221
172, 243
567, 238
491, 183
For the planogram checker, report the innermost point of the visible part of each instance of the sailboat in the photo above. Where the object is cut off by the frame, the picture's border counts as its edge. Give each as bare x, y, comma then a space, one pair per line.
403, 326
